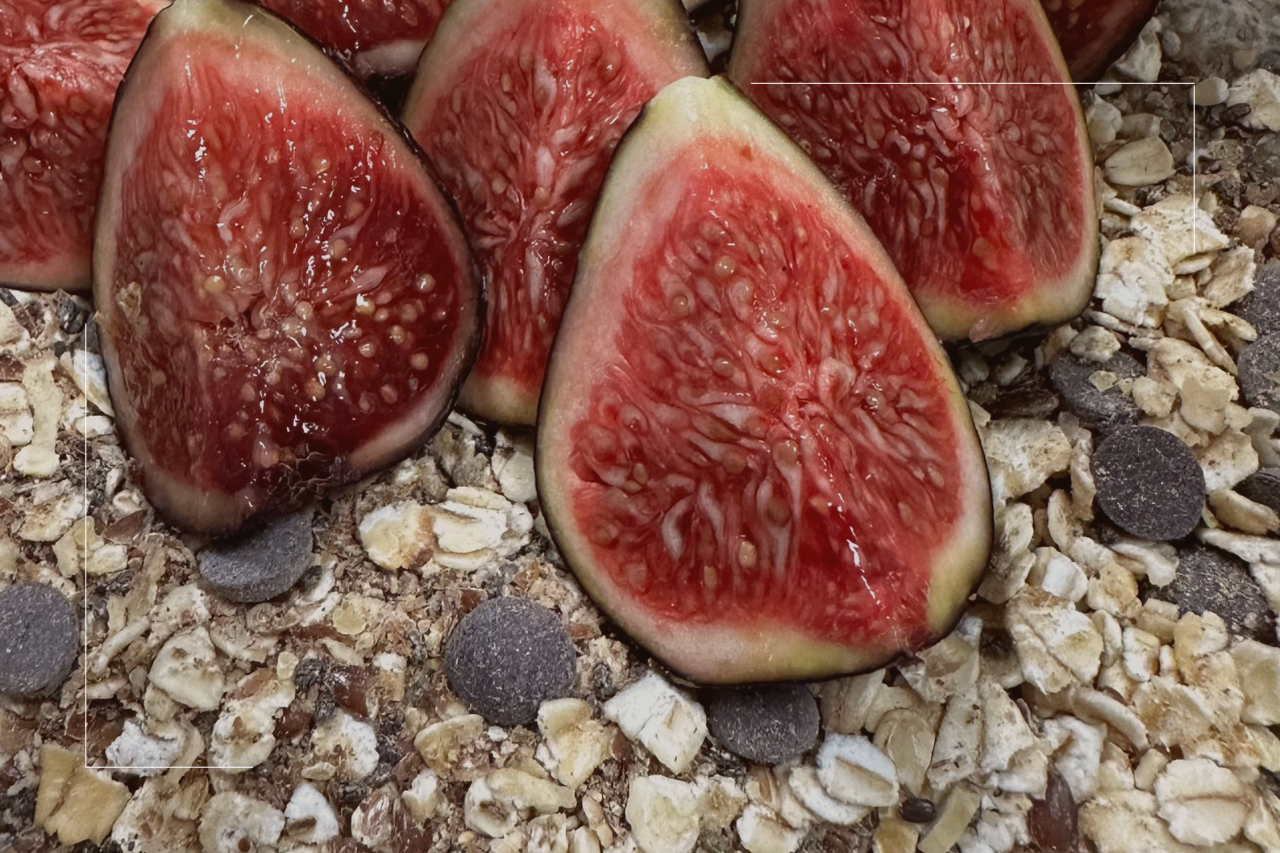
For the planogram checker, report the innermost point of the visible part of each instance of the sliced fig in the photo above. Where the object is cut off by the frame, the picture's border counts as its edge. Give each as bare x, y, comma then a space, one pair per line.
747, 423
60, 63
959, 138
1094, 33
286, 299
383, 37
519, 104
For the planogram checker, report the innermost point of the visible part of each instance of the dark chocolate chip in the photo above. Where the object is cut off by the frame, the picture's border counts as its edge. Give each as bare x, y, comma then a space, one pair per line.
1053, 821
917, 810
261, 564
39, 639
1097, 410
1209, 580
507, 657
1259, 365
1149, 483
1262, 486
1261, 307
768, 724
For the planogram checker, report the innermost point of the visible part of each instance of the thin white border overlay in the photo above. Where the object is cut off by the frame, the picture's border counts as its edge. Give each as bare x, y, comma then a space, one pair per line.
1195, 163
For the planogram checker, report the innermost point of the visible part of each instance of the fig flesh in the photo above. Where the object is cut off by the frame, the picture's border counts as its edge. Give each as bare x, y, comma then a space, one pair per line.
955, 131
752, 450
286, 299
519, 104
60, 63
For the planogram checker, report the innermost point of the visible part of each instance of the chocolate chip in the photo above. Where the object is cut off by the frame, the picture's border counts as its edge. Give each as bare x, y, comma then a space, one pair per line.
917, 810
507, 657
1149, 483
1259, 365
1209, 580
39, 639
1053, 821
1097, 410
768, 724
261, 564
1261, 307
1262, 486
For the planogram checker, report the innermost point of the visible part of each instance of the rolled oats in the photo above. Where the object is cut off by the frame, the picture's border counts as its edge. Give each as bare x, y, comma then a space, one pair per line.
958, 808
895, 835
1258, 666
1260, 90
906, 736
74, 802
1022, 454
576, 743
187, 669
309, 817
347, 743
666, 721
234, 823
804, 784
845, 703
1203, 803
1058, 645
663, 814
854, 770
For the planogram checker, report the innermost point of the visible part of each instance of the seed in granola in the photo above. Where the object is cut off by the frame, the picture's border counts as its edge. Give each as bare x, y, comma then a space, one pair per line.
1261, 307
507, 657
1053, 820
1149, 483
1098, 410
39, 640
1213, 581
261, 564
917, 810
1262, 486
768, 724
1259, 365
